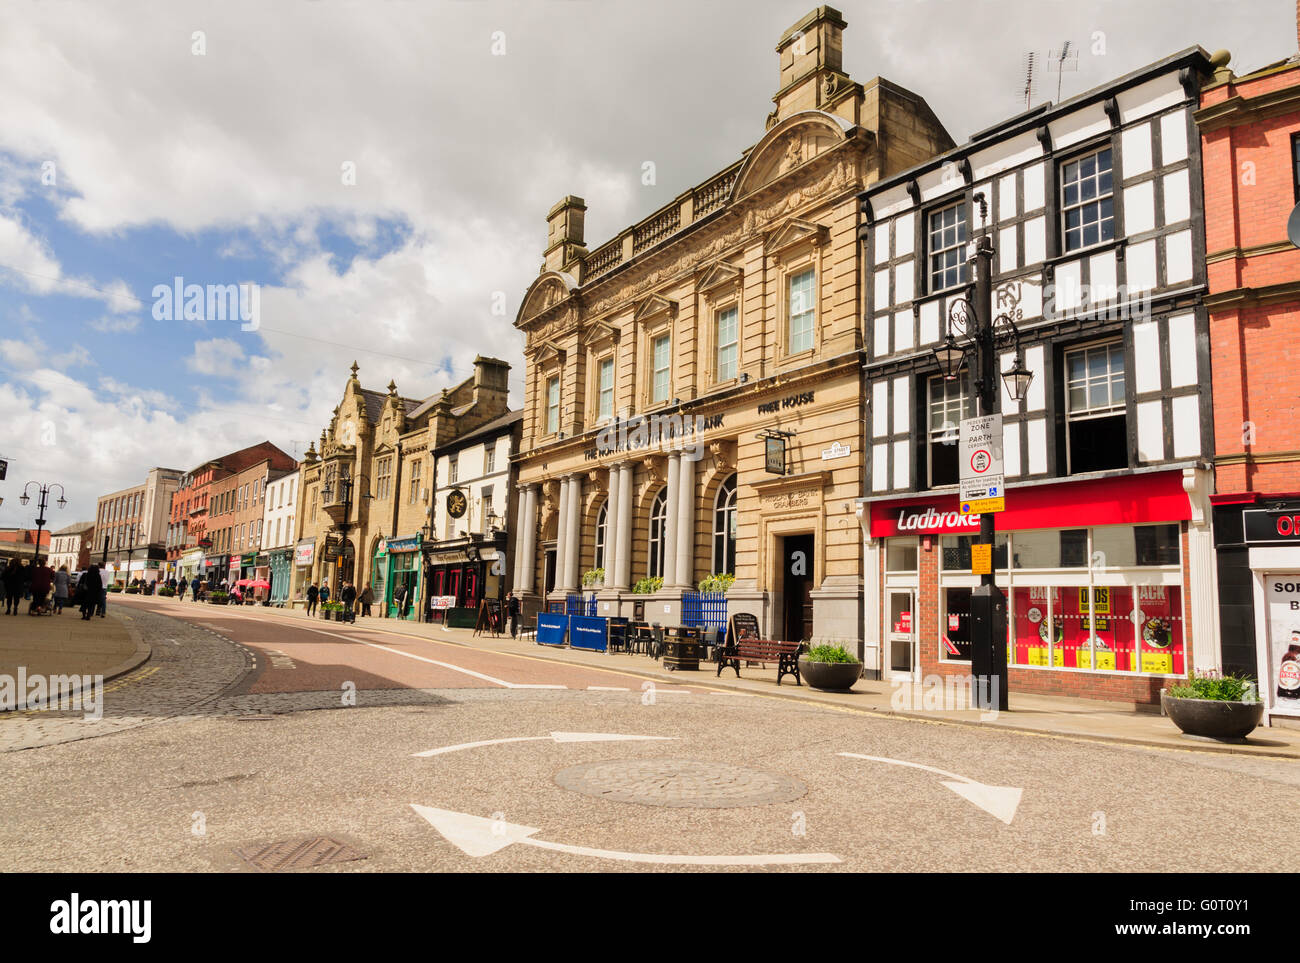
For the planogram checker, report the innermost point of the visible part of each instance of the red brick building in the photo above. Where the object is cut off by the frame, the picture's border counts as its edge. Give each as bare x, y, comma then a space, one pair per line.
1250, 131
188, 532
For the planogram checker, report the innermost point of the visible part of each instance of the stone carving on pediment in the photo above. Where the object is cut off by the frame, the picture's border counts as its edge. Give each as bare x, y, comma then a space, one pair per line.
550, 495
597, 481
654, 470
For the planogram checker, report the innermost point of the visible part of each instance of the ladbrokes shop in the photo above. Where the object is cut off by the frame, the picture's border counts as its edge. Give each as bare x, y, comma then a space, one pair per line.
1098, 576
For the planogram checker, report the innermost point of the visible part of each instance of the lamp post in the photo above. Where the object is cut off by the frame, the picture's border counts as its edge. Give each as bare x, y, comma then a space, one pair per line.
973, 329
345, 485
42, 501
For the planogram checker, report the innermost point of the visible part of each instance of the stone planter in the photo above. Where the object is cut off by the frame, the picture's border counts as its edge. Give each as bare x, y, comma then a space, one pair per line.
832, 676
1213, 718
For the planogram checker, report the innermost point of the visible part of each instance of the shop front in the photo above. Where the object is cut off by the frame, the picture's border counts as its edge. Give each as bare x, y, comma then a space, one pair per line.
1095, 573
304, 553
1258, 545
191, 564
461, 573
402, 576
278, 566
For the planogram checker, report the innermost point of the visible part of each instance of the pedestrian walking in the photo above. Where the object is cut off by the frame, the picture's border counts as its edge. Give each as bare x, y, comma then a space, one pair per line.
42, 582
89, 587
367, 599
313, 593
13, 579
399, 599
349, 597
195, 585
61, 578
180, 586
512, 611
101, 606
324, 597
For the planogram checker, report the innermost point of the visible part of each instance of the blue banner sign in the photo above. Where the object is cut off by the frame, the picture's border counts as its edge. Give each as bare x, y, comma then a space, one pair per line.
588, 632
411, 544
551, 628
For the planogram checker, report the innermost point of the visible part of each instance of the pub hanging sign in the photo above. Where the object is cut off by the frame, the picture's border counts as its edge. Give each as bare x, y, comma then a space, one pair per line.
774, 454
457, 503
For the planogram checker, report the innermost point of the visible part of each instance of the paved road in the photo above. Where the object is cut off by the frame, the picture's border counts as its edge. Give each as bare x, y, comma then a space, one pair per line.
230, 759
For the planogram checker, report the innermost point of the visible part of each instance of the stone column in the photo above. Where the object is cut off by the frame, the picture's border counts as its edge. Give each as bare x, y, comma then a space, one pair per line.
622, 578
521, 514
526, 542
685, 511
1201, 592
573, 551
670, 520
612, 534
562, 538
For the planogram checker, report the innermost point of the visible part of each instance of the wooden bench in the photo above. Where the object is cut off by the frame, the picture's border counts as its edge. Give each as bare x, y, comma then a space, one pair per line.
784, 654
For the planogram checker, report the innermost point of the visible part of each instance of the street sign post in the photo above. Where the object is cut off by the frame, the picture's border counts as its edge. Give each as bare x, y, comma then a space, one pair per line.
980, 461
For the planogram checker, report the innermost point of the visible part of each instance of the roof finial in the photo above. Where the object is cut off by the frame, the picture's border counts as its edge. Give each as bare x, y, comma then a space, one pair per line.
355, 367
392, 387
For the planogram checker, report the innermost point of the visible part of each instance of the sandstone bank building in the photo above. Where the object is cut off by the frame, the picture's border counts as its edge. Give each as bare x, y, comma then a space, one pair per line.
735, 311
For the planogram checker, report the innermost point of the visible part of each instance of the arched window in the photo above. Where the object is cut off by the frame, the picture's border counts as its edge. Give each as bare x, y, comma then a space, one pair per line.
724, 528
658, 520
601, 528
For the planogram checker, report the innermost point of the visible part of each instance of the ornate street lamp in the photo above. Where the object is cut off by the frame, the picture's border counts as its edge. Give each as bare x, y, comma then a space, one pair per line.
43, 496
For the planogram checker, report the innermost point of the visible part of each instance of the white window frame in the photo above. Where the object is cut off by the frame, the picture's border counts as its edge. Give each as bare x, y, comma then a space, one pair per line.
604, 392
660, 395
1082, 205
657, 531
552, 403
721, 374
809, 314
725, 525
948, 431
941, 249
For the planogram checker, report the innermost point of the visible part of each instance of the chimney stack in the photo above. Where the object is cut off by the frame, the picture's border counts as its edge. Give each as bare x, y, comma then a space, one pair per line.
812, 63
564, 235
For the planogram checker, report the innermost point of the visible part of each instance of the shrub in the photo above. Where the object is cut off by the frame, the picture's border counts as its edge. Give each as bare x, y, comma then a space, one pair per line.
1219, 688
648, 585
115, 587
594, 577
218, 597
166, 592
829, 653
717, 583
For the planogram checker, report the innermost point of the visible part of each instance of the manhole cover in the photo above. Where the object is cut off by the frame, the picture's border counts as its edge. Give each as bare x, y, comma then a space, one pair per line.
299, 854
680, 782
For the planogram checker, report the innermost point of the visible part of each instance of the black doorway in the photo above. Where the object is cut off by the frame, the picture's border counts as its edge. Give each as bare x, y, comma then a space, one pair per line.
797, 586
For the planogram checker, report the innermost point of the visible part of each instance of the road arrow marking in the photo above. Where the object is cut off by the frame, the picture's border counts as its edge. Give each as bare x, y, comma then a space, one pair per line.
998, 801
554, 737
476, 836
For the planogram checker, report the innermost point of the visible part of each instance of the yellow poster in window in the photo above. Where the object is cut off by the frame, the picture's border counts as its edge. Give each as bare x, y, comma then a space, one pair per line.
1105, 660
1100, 598
1083, 659
1038, 655
1158, 662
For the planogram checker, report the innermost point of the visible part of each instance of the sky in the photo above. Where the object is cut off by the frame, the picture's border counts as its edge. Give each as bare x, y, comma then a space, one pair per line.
379, 173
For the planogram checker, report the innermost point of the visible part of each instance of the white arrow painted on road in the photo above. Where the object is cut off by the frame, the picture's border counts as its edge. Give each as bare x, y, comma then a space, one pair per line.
554, 737
476, 836
998, 801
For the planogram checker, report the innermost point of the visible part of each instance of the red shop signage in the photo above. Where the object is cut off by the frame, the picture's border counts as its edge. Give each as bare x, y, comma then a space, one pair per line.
1122, 500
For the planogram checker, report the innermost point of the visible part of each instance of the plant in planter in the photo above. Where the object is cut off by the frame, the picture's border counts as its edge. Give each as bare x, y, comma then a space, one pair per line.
132, 590
115, 587
593, 578
166, 592
218, 598
829, 667
648, 585
717, 583
1214, 706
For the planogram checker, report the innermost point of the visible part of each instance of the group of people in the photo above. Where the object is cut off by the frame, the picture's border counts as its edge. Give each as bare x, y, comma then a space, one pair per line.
320, 594
48, 592
195, 586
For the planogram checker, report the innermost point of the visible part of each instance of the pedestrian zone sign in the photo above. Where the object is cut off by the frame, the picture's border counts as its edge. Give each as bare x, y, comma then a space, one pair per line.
980, 460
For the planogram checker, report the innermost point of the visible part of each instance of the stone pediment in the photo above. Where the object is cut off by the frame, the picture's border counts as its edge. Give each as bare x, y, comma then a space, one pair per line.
546, 292
654, 306
550, 351
599, 332
788, 146
719, 275
794, 232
